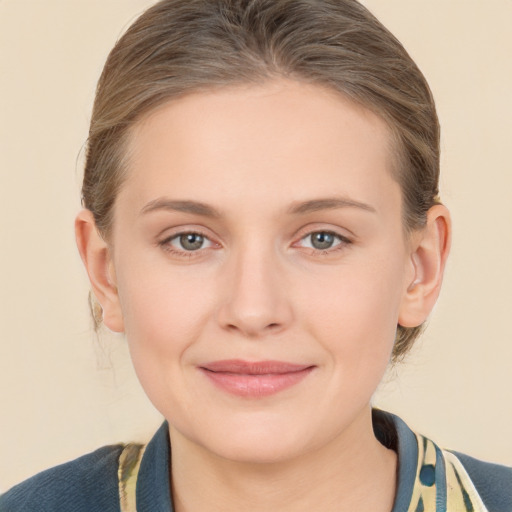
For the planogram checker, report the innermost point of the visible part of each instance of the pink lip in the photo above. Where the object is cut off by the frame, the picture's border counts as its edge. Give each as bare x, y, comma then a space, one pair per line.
254, 379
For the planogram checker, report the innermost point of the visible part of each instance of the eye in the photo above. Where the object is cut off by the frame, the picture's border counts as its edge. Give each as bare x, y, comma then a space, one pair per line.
188, 242
323, 240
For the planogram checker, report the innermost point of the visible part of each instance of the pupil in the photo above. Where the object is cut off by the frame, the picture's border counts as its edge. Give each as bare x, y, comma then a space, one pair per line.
322, 240
191, 241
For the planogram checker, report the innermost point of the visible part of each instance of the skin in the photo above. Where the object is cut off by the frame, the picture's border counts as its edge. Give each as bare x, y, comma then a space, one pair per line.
270, 165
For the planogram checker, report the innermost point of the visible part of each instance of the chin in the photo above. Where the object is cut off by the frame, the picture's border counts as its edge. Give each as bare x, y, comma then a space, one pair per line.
261, 438
259, 449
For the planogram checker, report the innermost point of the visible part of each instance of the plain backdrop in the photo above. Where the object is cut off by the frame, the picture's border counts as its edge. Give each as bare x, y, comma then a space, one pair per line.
64, 393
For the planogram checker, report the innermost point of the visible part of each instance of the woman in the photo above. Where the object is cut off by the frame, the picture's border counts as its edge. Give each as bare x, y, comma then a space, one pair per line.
262, 221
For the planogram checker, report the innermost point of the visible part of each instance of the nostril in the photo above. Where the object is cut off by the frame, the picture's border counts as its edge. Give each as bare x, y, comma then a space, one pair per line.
252, 330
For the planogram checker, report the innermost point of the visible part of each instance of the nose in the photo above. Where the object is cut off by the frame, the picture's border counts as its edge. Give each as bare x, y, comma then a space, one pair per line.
256, 297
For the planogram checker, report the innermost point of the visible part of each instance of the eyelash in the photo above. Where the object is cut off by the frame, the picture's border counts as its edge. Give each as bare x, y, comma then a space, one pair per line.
342, 244
166, 244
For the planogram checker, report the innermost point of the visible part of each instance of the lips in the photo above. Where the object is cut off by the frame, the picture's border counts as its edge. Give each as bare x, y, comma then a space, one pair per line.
254, 379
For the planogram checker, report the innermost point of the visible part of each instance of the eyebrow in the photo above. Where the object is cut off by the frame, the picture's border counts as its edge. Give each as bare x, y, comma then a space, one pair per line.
198, 208
329, 203
193, 207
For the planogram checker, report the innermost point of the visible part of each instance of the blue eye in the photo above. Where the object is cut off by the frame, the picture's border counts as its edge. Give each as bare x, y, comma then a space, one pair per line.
191, 241
188, 242
323, 240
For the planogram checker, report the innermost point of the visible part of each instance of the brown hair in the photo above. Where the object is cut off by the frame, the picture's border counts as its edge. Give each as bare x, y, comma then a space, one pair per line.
182, 46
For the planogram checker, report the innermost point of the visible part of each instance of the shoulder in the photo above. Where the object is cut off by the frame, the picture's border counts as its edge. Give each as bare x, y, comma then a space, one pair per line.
431, 478
86, 484
493, 482
462, 482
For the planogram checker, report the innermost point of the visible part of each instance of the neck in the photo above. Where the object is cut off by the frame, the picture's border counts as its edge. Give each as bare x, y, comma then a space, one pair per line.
351, 472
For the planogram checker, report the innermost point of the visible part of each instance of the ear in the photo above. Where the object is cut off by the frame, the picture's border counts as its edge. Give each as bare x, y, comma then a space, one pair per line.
430, 249
97, 259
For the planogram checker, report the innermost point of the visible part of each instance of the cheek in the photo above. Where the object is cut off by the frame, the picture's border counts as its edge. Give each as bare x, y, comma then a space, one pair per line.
355, 313
164, 313
164, 316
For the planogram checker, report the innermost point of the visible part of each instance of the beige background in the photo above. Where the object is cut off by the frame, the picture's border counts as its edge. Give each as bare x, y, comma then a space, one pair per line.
63, 394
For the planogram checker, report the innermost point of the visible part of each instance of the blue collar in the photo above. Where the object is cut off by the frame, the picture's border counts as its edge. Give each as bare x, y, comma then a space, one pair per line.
153, 484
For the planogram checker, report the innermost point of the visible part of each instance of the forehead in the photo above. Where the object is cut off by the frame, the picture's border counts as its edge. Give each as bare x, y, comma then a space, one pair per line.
283, 139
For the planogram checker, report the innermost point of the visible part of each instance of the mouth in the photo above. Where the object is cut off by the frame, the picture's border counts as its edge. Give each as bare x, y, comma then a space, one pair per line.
254, 379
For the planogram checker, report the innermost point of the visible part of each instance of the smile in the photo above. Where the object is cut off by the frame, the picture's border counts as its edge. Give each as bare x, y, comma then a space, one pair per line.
254, 379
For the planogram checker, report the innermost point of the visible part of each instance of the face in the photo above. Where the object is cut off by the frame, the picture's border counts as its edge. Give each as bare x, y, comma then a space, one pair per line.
260, 264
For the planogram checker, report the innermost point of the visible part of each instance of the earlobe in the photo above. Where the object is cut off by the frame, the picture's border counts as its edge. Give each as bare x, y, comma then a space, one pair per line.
96, 256
431, 246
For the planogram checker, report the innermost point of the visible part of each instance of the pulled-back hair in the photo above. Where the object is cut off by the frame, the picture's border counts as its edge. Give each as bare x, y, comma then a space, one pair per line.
181, 46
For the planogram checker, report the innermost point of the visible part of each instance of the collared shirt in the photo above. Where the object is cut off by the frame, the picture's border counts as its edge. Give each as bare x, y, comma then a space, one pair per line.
429, 479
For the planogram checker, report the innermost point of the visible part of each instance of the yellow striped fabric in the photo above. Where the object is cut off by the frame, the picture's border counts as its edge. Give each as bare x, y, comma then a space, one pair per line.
129, 464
